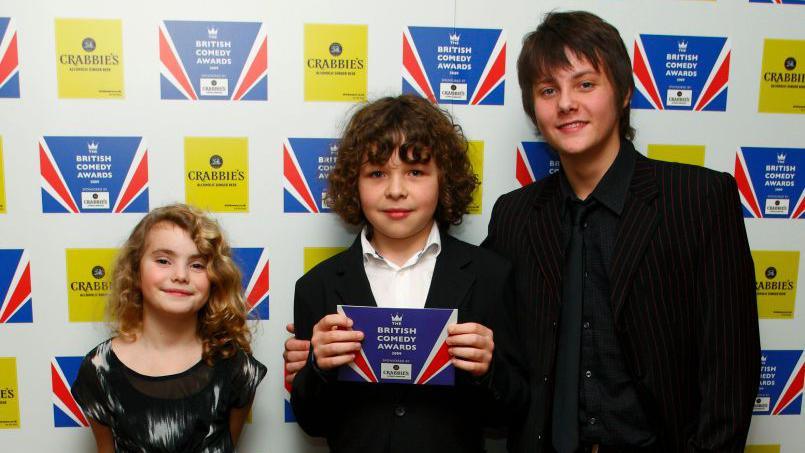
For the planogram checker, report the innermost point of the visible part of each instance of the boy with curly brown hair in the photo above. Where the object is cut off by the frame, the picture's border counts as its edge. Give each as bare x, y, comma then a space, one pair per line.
403, 173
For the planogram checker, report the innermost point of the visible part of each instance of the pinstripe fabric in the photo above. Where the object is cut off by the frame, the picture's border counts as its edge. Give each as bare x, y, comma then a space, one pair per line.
683, 300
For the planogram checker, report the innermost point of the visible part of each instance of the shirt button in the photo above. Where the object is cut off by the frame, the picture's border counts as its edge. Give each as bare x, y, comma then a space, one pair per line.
592, 420
588, 373
539, 436
554, 324
399, 411
586, 324
584, 225
545, 378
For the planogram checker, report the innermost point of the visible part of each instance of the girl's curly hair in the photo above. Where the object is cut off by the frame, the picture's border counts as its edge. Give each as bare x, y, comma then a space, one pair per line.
222, 320
421, 131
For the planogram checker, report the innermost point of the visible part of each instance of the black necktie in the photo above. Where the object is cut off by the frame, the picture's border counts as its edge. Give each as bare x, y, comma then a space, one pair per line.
565, 428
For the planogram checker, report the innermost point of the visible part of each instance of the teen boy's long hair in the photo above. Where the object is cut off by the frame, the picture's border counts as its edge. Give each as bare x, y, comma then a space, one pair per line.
587, 36
222, 320
422, 132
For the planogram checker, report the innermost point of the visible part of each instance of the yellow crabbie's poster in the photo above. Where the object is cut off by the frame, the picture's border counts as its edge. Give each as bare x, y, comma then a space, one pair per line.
315, 255
335, 62
89, 58
475, 150
9, 394
685, 154
217, 173
776, 281
782, 79
89, 279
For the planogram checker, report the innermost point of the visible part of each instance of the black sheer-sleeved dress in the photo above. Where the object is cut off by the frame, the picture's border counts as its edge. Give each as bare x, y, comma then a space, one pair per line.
185, 412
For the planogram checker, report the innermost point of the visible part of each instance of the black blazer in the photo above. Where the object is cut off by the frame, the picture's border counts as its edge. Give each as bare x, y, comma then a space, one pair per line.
357, 417
682, 294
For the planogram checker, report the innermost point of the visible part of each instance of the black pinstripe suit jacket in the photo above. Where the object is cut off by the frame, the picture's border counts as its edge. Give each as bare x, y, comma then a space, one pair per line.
682, 295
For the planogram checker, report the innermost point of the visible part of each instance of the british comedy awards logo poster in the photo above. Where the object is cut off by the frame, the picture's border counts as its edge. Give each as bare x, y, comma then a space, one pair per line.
306, 165
681, 72
454, 65
93, 174
213, 60
769, 183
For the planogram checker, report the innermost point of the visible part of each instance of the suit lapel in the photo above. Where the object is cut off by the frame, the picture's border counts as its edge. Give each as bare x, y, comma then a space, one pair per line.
450, 282
545, 235
639, 221
353, 286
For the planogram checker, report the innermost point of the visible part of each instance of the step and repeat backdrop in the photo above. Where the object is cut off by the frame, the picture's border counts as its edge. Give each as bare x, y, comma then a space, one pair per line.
110, 109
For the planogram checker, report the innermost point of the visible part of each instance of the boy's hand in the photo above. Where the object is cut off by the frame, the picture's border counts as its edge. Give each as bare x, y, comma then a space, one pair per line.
295, 354
471, 346
334, 342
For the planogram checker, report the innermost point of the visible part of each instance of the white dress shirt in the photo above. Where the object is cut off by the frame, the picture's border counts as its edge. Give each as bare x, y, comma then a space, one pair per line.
403, 286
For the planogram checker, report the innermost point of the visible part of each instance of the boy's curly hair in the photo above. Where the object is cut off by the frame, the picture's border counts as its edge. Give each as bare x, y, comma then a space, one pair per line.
421, 131
222, 320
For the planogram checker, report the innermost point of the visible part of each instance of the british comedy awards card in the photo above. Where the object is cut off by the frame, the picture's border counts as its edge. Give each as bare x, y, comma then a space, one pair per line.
401, 345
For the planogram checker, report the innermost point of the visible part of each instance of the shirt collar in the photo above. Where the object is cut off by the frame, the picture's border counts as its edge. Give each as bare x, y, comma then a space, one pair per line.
612, 189
433, 246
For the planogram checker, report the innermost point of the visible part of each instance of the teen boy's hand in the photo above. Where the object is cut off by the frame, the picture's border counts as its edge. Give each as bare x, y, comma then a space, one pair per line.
471, 346
334, 342
295, 354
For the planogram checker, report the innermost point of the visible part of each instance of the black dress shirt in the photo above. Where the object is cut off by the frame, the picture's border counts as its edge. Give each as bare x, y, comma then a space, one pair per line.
610, 412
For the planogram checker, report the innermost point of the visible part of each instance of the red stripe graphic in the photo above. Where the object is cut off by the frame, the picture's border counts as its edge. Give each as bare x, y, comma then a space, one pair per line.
360, 362
169, 60
295, 178
260, 288
792, 392
523, 176
63, 393
10, 60
410, 63
259, 65
20, 294
721, 79
800, 209
743, 186
52, 177
438, 362
642, 72
495, 74
138, 181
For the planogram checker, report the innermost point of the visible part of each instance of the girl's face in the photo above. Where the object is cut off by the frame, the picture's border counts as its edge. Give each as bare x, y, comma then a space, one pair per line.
173, 275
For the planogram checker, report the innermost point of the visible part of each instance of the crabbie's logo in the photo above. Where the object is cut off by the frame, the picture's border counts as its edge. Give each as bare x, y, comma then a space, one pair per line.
681, 72
66, 412
253, 265
455, 65
88, 283
776, 282
781, 380
770, 183
9, 59
217, 173
213, 60
89, 58
93, 174
335, 62
15, 287
9, 394
306, 165
535, 160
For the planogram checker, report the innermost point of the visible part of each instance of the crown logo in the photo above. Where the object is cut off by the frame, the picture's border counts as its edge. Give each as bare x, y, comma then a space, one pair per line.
455, 38
682, 46
212, 32
781, 158
333, 147
396, 319
92, 147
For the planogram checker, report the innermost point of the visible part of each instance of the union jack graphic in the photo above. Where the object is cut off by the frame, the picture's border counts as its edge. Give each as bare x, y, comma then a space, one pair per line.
361, 364
415, 72
438, 358
15, 286
535, 160
791, 397
286, 392
66, 412
9, 59
56, 189
251, 81
253, 264
780, 2
650, 85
